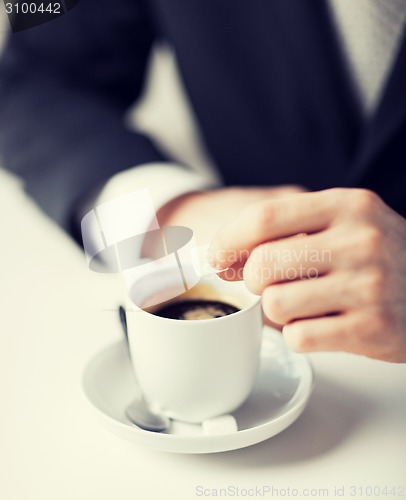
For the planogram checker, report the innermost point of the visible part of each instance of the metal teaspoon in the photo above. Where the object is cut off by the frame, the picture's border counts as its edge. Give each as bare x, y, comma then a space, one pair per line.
138, 411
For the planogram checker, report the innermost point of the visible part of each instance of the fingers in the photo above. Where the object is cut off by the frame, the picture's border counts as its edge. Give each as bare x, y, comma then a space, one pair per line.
332, 333
287, 260
287, 302
354, 332
354, 247
272, 219
236, 271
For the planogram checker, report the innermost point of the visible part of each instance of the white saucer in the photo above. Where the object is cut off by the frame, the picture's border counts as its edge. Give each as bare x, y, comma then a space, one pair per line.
280, 394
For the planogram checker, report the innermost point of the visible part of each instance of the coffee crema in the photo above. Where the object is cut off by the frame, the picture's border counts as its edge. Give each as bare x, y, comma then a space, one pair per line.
195, 309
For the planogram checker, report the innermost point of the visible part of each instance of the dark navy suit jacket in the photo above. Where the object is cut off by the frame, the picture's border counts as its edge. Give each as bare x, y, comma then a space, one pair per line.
265, 78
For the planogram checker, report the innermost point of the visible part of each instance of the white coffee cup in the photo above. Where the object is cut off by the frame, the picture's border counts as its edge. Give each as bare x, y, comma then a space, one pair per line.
193, 370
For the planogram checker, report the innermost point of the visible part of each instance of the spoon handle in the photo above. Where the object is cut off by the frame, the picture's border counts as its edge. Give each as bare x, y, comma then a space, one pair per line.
123, 321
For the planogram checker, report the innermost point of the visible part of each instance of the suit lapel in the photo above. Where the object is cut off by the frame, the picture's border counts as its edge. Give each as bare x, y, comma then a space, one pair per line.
387, 119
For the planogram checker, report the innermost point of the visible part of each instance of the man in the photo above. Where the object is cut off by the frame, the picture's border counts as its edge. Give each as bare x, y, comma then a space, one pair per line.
286, 92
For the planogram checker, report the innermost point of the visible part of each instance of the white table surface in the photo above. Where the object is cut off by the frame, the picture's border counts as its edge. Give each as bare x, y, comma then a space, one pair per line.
53, 319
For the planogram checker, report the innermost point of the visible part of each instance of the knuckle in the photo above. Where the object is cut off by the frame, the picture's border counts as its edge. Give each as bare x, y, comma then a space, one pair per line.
258, 255
253, 276
305, 342
262, 215
362, 330
371, 241
298, 338
274, 305
382, 320
375, 286
363, 201
370, 328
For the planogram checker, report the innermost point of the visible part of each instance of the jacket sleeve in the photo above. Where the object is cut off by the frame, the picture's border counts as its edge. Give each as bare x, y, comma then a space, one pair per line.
64, 89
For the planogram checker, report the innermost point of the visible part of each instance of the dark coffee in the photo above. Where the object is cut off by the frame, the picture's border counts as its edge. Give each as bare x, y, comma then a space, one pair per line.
195, 309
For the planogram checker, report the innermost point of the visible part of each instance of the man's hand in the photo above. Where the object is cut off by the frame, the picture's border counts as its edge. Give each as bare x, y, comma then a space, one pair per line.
330, 265
206, 212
